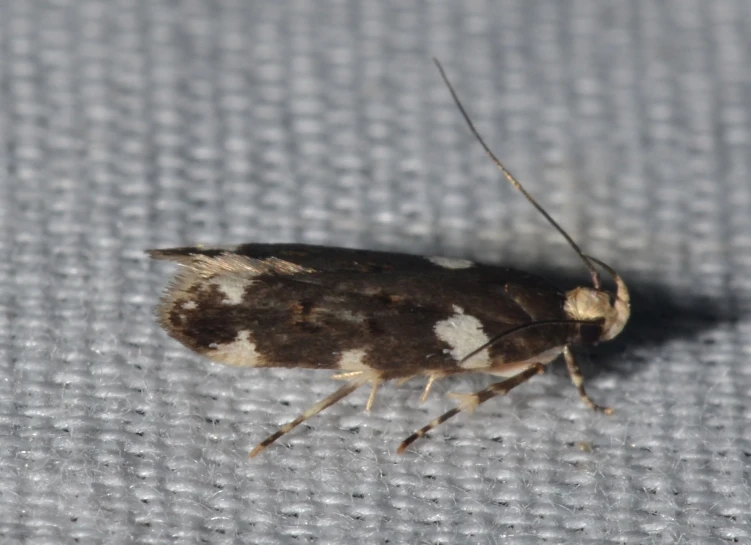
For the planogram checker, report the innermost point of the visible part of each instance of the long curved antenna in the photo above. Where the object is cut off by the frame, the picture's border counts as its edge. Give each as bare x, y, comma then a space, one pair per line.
514, 182
516, 329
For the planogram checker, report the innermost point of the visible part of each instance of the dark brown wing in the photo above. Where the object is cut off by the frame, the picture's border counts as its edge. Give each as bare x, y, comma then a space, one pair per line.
274, 305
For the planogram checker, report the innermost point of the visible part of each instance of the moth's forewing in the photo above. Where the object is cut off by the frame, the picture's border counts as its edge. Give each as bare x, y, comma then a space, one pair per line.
295, 305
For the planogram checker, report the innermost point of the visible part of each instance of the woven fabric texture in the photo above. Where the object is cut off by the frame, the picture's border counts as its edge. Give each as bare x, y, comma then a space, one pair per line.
134, 124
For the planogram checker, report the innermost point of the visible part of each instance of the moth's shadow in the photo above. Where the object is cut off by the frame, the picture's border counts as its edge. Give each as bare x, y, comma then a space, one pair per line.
659, 313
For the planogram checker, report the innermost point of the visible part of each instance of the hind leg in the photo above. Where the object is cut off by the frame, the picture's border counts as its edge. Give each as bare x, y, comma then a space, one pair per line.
340, 394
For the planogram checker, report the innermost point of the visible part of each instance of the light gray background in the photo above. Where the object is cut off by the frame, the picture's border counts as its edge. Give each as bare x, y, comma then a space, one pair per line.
134, 124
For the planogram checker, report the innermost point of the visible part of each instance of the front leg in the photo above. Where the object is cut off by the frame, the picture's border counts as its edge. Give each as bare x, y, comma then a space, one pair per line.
578, 380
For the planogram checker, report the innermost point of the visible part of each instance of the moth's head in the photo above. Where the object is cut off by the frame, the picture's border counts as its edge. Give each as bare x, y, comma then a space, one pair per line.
598, 304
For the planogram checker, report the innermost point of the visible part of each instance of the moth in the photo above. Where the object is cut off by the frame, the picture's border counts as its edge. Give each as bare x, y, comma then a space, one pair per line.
379, 316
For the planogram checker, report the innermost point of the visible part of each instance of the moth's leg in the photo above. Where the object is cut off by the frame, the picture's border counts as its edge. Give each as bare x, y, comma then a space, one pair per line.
341, 393
373, 378
347, 375
428, 386
578, 380
470, 401
403, 380
376, 382
431, 379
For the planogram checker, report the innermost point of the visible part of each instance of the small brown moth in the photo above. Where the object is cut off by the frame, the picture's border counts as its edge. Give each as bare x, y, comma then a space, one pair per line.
377, 316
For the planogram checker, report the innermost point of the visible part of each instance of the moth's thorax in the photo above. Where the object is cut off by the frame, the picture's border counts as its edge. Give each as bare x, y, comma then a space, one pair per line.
593, 304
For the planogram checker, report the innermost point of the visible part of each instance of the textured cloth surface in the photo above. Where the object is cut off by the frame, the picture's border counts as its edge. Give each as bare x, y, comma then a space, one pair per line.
133, 124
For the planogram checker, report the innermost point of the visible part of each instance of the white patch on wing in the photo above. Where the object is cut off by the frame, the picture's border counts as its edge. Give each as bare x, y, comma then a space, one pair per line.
241, 351
351, 364
450, 263
351, 360
349, 316
232, 287
464, 334
189, 305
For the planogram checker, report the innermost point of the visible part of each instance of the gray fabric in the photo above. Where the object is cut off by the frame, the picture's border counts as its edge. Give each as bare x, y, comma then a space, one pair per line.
134, 124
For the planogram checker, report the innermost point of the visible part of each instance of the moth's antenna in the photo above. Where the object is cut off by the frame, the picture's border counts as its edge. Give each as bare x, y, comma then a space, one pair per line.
514, 330
514, 182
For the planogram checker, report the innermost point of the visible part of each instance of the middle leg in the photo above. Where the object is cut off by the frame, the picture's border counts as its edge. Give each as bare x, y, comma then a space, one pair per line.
468, 402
